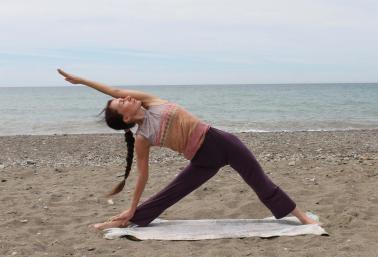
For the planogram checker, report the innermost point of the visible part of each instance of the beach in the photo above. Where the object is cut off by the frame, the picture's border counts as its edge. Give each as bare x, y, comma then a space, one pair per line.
52, 187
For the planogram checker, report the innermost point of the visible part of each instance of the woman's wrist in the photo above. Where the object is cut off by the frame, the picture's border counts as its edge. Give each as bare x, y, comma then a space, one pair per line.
133, 208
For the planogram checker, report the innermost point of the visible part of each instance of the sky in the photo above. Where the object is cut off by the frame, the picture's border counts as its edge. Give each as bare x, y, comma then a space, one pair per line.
170, 42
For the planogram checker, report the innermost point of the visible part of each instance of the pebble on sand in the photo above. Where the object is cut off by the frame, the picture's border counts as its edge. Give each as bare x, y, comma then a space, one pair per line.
30, 162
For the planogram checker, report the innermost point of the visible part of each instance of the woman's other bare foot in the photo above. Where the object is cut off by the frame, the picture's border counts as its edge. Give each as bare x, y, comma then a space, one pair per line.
303, 218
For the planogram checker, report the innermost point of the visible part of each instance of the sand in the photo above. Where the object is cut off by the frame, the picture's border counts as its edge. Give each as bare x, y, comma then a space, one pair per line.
52, 188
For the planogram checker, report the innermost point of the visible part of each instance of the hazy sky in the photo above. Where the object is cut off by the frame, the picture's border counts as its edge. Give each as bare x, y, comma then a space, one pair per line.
188, 41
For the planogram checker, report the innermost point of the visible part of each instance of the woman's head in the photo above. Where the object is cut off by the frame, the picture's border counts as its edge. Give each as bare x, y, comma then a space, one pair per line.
120, 112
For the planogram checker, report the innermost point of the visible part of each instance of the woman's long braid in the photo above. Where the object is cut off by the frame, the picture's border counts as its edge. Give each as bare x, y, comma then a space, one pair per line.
129, 139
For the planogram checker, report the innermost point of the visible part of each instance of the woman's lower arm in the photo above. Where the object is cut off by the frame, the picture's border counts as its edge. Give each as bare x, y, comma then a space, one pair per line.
139, 188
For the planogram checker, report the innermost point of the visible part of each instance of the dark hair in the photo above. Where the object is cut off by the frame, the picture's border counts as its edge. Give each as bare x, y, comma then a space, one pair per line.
115, 121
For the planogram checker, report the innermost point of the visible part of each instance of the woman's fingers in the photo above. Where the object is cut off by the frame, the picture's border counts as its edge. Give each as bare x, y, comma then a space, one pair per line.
70, 78
63, 73
120, 217
126, 215
107, 224
116, 217
124, 223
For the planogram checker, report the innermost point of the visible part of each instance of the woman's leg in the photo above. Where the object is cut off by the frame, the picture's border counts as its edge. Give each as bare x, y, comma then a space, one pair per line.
240, 158
184, 183
243, 161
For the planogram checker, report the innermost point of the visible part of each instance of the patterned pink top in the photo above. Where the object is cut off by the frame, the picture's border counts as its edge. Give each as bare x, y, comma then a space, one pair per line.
170, 125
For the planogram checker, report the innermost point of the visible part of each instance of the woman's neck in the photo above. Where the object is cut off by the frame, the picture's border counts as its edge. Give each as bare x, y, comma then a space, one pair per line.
139, 116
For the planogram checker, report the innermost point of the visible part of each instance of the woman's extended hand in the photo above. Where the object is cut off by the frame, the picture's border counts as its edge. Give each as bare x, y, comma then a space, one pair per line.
71, 78
119, 221
124, 216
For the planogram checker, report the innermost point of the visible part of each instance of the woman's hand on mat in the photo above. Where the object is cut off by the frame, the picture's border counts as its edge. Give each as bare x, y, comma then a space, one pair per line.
119, 221
124, 216
71, 78
108, 224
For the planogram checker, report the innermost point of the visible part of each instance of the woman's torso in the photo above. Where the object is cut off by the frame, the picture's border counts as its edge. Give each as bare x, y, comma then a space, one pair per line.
170, 125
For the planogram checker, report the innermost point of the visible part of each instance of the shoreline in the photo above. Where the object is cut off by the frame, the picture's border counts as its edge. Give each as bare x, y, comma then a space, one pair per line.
234, 132
52, 187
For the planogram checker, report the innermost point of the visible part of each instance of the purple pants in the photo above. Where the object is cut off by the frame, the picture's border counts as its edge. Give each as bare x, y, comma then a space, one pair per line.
219, 148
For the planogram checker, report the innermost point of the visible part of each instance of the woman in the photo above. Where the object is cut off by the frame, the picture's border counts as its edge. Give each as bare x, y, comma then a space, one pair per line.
161, 123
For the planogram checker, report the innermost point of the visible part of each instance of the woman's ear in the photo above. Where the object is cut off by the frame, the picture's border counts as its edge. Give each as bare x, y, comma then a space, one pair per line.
126, 119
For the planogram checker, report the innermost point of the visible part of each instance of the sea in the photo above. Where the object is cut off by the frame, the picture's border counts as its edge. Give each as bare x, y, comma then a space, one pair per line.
234, 108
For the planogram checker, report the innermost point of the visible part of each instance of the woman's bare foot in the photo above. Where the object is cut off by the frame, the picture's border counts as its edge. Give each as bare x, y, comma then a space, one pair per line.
303, 218
307, 220
109, 224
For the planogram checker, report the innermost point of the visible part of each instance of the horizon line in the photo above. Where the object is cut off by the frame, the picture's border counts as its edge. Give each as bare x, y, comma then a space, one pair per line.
197, 84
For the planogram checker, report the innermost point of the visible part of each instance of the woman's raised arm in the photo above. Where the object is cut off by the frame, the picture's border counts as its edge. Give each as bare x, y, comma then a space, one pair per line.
146, 99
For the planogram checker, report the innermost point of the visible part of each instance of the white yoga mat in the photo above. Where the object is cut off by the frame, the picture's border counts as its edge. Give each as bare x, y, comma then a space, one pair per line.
161, 229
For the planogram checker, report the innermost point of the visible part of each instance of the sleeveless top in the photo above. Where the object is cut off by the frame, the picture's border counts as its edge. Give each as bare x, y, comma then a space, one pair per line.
170, 125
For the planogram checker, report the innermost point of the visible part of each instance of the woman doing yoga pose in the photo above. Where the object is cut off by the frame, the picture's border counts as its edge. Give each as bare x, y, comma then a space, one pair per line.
165, 124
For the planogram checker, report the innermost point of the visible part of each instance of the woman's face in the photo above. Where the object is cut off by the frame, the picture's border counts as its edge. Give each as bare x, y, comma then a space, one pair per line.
126, 106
